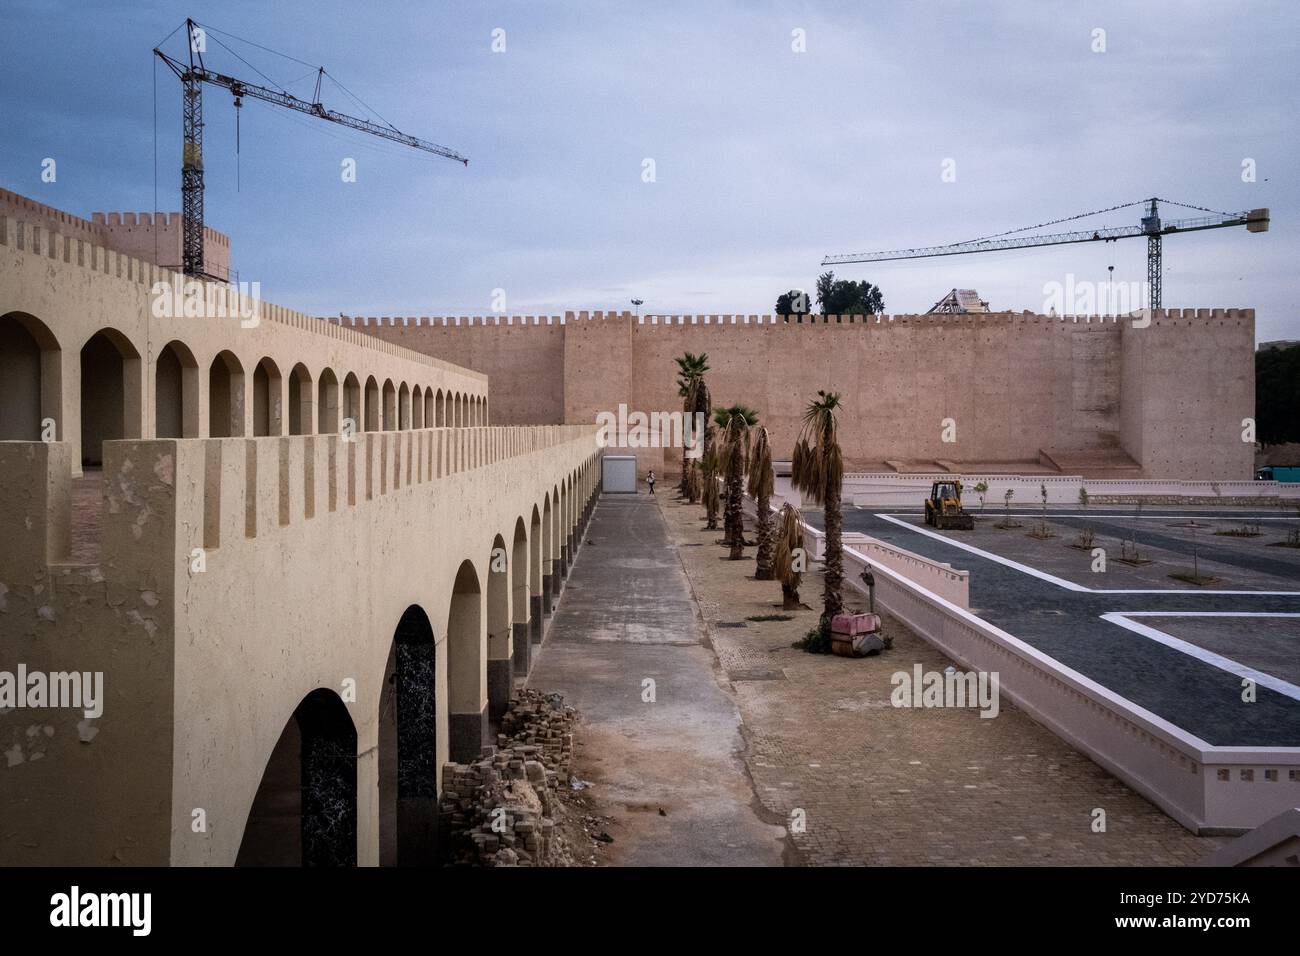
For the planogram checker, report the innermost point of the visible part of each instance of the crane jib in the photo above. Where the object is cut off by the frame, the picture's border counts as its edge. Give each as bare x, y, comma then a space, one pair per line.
192, 75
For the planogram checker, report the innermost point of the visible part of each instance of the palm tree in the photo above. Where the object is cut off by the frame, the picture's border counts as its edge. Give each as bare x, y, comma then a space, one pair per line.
733, 454
710, 490
689, 368
700, 408
787, 556
817, 470
760, 488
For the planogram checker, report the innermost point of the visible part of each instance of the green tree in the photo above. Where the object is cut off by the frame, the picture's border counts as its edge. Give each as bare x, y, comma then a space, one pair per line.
846, 297
817, 470
1277, 395
794, 302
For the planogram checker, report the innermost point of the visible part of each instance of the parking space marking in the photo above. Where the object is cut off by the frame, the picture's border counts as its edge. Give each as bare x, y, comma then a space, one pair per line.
1062, 582
1123, 619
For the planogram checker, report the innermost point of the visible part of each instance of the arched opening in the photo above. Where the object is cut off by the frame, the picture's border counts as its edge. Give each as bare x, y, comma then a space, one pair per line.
453, 412
535, 609
408, 746
327, 404
352, 403
428, 408
305, 811
176, 393
390, 406
403, 407
519, 598
440, 410
557, 541
566, 500
110, 393
372, 404
266, 400
417, 407
466, 675
302, 405
501, 663
31, 376
548, 554
225, 397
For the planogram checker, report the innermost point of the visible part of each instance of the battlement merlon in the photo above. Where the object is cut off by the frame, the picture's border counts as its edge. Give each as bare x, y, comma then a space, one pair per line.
39, 239
580, 319
163, 498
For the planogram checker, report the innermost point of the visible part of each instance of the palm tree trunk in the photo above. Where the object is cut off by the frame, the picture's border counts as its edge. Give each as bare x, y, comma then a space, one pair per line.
833, 572
790, 598
763, 568
735, 516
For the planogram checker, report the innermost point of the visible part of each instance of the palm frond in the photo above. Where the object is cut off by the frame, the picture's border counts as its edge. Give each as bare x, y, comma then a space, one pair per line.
789, 539
760, 484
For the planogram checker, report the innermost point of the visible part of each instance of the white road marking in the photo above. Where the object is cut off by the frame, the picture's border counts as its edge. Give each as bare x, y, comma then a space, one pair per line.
1122, 618
1098, 515
1062, 582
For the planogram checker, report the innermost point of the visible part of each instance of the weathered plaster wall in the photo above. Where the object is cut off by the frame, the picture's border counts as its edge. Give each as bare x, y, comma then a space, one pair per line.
1094, 388
524, 363
75, 289
151, 237
1190, 380
312, 547
80, 791
294, 621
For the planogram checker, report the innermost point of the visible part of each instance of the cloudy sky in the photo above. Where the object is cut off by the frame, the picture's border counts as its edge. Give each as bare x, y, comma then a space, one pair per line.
765, 158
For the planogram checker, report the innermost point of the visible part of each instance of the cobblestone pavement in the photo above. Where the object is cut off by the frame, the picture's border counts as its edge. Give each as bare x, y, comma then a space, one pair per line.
883, 785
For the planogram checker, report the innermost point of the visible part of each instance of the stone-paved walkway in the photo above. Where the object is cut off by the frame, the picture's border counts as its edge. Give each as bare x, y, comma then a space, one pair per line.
884, 785
668, 769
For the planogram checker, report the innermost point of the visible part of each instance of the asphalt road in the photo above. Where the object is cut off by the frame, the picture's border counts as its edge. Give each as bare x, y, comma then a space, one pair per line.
1197, 696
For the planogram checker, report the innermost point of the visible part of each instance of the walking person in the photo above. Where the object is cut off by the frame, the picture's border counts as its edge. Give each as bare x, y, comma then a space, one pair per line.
650, 480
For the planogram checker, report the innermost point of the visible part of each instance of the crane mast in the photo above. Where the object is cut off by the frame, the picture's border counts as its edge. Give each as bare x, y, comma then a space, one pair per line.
193, 73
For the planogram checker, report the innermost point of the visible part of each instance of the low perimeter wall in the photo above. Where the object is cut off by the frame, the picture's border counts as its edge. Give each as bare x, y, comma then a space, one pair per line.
887, 490
1207, 789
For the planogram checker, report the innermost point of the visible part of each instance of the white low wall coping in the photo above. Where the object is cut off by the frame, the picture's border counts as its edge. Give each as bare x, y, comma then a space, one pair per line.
1204, 787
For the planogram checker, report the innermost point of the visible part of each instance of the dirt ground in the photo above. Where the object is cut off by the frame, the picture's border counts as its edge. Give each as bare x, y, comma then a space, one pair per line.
863, 782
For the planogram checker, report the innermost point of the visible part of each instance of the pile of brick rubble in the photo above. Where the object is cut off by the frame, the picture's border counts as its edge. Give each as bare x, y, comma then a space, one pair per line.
501, 809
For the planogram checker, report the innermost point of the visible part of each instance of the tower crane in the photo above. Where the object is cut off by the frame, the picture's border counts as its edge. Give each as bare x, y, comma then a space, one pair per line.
193, 74
1151, 226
